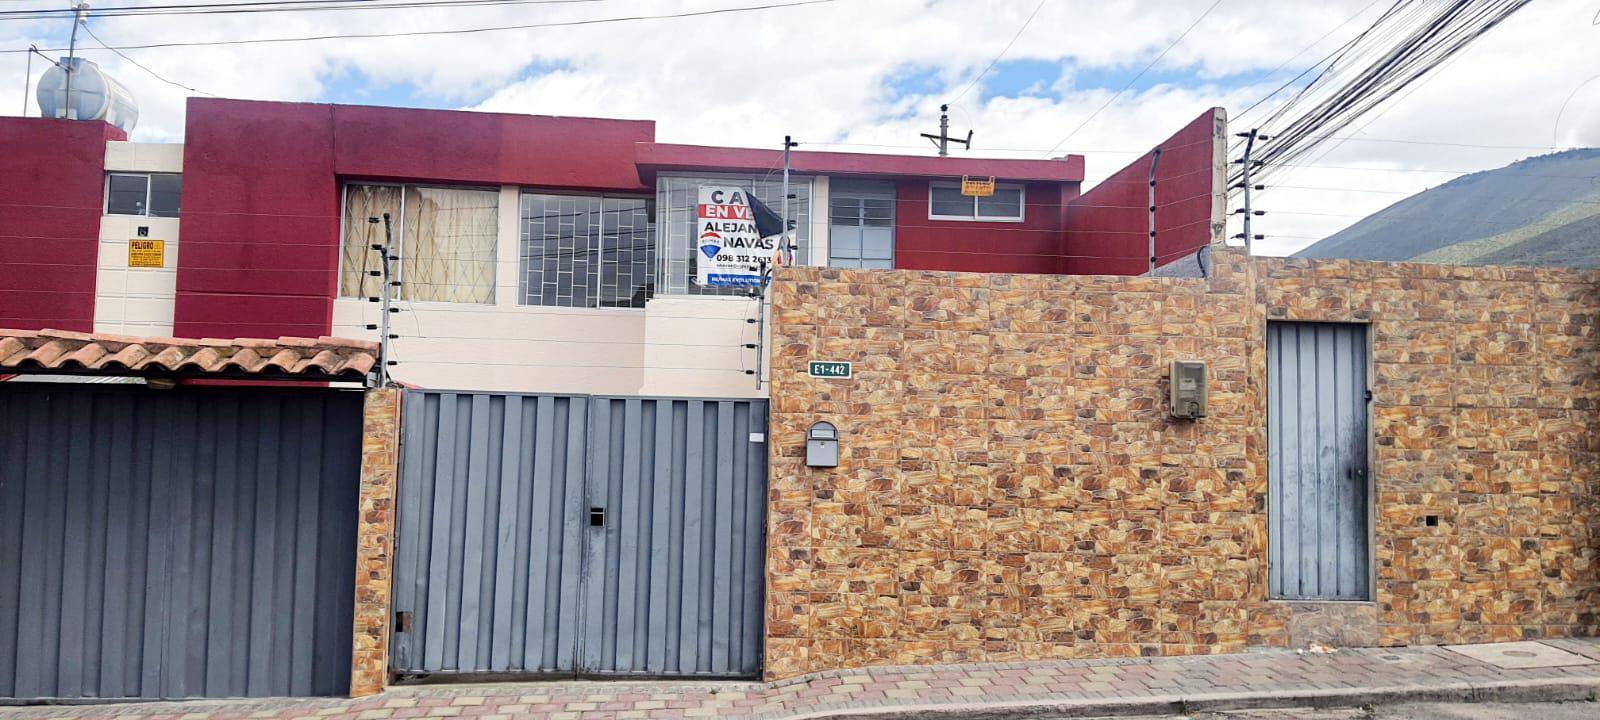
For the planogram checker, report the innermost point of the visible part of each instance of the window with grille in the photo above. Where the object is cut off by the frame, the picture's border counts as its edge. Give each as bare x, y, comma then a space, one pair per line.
587, 251
945, 202
677, 197
444, 237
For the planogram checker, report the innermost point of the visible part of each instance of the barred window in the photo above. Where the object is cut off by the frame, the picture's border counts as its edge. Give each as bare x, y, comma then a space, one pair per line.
445, 238
678, 199
587, 251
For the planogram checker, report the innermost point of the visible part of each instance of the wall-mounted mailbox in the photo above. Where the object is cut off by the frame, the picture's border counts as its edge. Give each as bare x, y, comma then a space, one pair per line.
1188, 388
822, 445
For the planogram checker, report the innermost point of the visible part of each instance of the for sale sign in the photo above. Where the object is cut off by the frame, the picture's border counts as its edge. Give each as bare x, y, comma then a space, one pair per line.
730, 250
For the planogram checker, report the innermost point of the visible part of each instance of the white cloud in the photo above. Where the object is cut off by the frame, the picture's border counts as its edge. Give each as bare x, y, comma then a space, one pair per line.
823, 74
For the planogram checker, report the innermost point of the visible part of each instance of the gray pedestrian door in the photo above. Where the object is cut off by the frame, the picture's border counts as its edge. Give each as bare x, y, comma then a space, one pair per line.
1317, 461
194, 542
580, 535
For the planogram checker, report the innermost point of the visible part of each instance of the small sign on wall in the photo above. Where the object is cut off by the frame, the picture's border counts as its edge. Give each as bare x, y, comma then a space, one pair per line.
143, 253
977, 187
828, 369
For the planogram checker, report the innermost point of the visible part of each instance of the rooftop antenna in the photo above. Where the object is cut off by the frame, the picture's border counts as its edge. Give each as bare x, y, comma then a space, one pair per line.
943, 139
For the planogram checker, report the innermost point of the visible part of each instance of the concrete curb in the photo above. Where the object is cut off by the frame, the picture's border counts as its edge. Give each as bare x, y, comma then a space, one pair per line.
1545, 690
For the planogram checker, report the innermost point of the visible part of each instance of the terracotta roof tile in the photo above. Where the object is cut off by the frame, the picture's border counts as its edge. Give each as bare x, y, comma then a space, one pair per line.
321, 358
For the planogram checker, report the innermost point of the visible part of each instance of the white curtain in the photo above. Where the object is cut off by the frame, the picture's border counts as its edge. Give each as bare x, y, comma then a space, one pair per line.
362, 202
448, 253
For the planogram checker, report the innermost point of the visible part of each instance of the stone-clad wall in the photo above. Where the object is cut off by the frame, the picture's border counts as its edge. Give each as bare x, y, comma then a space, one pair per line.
1011, 486
1486, 413
374, 561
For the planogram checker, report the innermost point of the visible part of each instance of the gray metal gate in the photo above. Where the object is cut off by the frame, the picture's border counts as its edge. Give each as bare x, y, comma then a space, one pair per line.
179, 543
577, 535
1317, 461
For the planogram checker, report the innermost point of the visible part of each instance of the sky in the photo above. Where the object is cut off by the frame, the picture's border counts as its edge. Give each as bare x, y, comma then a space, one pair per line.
869, 76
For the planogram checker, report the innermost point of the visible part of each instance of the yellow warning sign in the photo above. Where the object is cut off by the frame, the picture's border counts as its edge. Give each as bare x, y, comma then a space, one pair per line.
147, 253
977, 187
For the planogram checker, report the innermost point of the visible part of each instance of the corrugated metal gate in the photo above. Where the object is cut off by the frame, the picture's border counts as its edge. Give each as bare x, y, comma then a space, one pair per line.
580, 535
1317, 460
179, 543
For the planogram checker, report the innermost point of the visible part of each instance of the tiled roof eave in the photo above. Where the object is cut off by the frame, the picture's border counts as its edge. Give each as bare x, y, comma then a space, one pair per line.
61, 352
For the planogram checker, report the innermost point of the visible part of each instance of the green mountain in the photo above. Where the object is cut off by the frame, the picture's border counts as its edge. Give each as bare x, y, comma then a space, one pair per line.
1543, 210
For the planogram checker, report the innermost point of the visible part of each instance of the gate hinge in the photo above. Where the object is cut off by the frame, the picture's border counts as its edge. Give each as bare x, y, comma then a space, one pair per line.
1367, 394
402, 621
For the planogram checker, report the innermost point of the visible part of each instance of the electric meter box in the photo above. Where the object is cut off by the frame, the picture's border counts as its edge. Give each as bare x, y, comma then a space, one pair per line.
1188, 388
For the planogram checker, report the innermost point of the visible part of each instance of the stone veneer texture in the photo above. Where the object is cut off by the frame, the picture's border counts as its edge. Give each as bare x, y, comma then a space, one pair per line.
1011, 486
380, 455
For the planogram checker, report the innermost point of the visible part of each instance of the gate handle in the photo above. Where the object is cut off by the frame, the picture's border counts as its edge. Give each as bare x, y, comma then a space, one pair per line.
597, 517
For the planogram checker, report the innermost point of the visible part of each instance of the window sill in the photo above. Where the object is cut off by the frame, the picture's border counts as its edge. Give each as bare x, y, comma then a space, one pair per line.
959, 218
1320, 601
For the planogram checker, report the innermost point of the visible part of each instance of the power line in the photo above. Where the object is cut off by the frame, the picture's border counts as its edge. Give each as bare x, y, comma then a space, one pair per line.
1409, 91
1435, 39
1135, 79
1555, 127
1332, 58
1003, 52
272, 7
454, 31
141, 66
1424, 170
1302, 51
1353, 138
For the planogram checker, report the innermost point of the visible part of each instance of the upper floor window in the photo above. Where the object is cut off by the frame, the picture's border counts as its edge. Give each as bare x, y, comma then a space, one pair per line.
587, 251
945, 202
143, 194
444, 237
861, 224
677, 201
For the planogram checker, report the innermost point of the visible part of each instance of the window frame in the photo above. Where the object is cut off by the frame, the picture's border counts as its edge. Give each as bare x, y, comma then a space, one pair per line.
805, 255
650, 207
860, 199
1022, 204
149, 184
399, 224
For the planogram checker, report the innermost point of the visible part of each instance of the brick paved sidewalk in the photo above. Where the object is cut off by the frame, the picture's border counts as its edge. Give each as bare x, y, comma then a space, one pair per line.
1034, 689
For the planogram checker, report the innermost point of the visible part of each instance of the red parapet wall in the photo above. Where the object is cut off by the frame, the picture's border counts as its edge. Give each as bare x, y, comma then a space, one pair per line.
1030, 246
1108, 228
489, 148
54, 172
259, 256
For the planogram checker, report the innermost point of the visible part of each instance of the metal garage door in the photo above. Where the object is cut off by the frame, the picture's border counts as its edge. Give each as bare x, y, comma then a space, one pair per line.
1317, 461
576, 535
180, 543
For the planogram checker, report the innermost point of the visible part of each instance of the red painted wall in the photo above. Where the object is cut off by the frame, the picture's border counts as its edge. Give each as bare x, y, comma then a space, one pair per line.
54, 175
653, 157
1108, 227
1030, 246
473, 147
261, 204
259, 255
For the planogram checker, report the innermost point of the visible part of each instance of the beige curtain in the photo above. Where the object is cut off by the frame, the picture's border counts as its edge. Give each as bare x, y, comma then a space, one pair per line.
362, 202
449, 250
